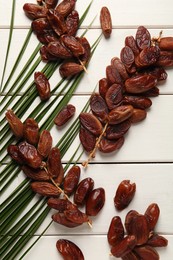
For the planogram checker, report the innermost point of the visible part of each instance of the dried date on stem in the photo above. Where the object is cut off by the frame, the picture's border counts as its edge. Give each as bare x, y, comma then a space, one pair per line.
143, 38
140, 83
42, 85
58, 50
99, 107
118, 64
62, 220
35, 174
69, 69
124, 194
72, 23
166, 43
83, 190
54, 164
157, 241
118, 130
103, 87
30, 155
64, 115
51, 3
88, 140
106, 21
91, 123
60, 204
73, 45
120, 114
69, 250
45, 189
15, 123
130, 42
57, 22
114, 96
137, 101
13, 151
71, 180
45, 143
65, 7
109, 146
34, 11
165, 59
31, 131
138, 115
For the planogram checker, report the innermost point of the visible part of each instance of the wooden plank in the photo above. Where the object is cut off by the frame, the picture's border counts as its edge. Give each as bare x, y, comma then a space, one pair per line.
93, 247
147, 141
106, 50
124, 14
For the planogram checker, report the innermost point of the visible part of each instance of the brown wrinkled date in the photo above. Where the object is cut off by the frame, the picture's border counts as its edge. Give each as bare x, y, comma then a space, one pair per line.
15, 123
106, 21
69, 250
124, 194
42, 85
95, 201
31, 131
64, 115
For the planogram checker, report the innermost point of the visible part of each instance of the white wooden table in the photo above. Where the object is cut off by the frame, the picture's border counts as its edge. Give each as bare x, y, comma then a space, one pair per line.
147, 154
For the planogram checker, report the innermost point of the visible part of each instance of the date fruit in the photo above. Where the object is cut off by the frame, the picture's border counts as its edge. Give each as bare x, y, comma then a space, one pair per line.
15, 123
64, 115
116, 231
95, 201
42, 85
124, 194
106, 21
69, 250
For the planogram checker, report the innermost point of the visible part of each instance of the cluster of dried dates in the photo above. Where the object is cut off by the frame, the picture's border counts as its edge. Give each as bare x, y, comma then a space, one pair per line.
42, 164
141, 239
55, 26
124, 94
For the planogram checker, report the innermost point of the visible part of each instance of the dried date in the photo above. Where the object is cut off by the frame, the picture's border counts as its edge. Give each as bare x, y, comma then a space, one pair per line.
99, 107
137, 101
44, 143
152, 214
88, 140
54, 164
15, 123
31, 131
106, 21
13, 151
124, 194
69, 69
124, 247
143, 38
120, 114
116, 231
95, 201
113, 75
166, 43
73, 45
71, 180
45, 189
65, 7
42, 85
91, 123
118, 130
34, 11
138, 115
64, 115
140, 84
72, 23
114, 96
109, 146
83, 190
62, 220
30, 155
147, 252
69, 250
35, 174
